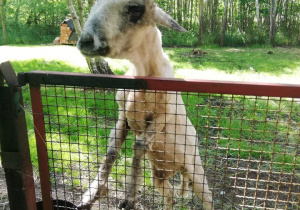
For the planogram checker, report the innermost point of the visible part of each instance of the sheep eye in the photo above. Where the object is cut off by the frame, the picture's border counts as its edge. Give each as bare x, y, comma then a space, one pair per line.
135, 12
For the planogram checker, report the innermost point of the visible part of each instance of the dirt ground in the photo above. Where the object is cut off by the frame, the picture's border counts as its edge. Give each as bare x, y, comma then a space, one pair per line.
3, 191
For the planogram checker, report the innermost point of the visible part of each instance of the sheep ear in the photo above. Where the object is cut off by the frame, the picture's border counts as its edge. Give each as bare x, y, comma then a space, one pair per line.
162, 18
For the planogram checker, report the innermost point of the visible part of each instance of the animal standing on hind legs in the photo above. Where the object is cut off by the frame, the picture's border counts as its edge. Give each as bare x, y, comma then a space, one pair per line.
126, 29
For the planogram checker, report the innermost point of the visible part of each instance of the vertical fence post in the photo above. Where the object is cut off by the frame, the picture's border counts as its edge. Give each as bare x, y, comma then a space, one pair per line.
41, 144
15, 154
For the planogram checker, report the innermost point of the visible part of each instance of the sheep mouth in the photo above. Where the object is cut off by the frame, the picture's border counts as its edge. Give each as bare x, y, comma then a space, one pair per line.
95, 53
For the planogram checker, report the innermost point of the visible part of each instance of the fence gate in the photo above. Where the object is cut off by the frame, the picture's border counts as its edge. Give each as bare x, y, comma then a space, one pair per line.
248, 139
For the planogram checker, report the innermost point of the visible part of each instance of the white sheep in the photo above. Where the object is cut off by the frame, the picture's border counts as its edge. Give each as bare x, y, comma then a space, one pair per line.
126, 29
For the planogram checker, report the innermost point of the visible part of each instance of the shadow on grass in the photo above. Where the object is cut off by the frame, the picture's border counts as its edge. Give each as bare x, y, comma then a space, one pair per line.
43, 65
119, 67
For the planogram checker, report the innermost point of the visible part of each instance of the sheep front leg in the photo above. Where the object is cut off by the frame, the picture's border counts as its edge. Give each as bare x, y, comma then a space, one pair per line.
141, 146
98, 188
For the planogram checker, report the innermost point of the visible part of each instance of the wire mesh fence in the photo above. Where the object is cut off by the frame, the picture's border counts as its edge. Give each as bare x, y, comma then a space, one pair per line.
249, 147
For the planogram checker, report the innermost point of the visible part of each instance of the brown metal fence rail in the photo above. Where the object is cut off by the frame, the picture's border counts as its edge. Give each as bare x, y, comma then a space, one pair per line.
248, 139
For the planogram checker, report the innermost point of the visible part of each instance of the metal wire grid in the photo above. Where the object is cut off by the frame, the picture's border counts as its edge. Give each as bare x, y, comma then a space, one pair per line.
249, 147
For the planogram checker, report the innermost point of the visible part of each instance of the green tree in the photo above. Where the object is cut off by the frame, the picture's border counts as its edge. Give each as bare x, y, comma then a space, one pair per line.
248, 21
3, 21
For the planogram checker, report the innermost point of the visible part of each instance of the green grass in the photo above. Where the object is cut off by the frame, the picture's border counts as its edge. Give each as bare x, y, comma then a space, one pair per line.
250, 61
246, 127
231, 60
43, 65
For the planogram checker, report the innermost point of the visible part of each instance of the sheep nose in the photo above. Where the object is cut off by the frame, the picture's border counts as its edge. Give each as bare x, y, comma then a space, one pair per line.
86, 42
92, 46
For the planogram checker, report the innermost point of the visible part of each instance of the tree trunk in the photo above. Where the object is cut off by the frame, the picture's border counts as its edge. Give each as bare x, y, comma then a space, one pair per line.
273, 22
191, 16
17, 13
75, 18
200, 31
245, 14
299, 35
179, 11
185, 13
285, 16
96, 65
240, 19
290, 20
224, 23
231, 13
214, 16
3, 22
80, 11
171, 7
209, 14
258, 20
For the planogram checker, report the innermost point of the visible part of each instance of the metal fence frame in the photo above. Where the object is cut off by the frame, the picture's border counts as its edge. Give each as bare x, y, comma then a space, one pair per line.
162, 84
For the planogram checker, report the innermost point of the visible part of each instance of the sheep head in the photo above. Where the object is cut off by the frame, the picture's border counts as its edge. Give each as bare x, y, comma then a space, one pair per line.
115, 27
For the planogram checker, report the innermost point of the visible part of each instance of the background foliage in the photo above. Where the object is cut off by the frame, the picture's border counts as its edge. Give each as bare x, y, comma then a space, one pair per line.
33, 21
247, 22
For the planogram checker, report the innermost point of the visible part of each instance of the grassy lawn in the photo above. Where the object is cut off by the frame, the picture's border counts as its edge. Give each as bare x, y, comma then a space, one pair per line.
273, 61
230, 127
245, 64
282, 65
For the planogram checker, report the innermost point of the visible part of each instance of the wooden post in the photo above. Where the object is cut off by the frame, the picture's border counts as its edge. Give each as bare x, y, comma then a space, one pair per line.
15, 152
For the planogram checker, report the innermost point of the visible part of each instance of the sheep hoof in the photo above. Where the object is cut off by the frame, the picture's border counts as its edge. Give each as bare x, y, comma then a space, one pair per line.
126, 204
84, 206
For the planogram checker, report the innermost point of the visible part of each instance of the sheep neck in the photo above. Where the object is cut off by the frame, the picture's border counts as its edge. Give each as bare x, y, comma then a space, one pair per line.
148, 57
